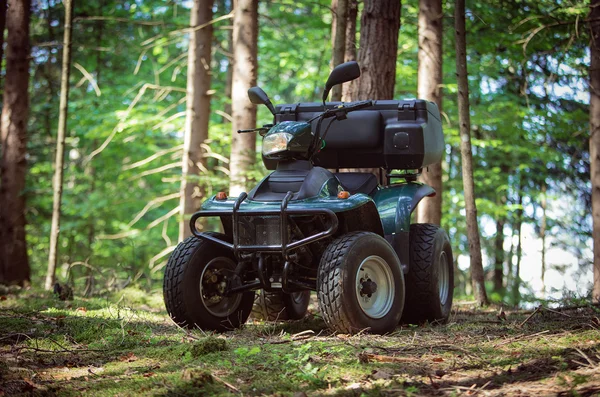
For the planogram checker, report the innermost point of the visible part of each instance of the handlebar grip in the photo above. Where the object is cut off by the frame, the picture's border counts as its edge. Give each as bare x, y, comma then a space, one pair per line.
360, 105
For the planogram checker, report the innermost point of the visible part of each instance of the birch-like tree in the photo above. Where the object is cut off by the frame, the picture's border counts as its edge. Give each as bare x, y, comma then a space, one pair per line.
60, 144
595, 138
477, 279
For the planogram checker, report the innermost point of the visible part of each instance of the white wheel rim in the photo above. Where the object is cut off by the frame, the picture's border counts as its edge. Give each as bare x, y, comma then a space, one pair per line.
375, 300
443, 278
213, 280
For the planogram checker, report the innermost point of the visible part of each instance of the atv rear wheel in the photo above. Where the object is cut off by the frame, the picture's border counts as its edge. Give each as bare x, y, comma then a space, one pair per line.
430, 278
360, 284
196, 276
279, 306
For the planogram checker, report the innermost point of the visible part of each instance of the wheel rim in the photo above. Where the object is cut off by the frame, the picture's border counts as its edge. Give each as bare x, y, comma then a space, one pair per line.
443, 278
213, 282
375, 287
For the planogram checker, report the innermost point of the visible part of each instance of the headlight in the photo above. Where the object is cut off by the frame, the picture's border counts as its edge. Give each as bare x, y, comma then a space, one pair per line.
276, 143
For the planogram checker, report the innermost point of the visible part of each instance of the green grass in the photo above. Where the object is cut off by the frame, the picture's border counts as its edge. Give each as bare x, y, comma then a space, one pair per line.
124, 344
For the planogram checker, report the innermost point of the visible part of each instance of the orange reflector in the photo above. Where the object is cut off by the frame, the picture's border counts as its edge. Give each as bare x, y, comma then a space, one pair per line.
221, 196
343, 195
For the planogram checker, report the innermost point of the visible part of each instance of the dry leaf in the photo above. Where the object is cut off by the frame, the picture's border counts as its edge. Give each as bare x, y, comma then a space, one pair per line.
81, 309
437, 359
2, 298
148, 374
129, 357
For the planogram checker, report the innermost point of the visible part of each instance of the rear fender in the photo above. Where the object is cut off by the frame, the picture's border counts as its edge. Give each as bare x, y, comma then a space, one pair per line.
395, 205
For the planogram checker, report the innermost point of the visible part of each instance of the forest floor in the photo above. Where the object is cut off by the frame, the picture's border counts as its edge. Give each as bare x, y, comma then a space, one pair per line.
125, 345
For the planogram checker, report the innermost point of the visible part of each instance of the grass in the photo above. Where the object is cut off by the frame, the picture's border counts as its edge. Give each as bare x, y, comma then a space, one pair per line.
125, 344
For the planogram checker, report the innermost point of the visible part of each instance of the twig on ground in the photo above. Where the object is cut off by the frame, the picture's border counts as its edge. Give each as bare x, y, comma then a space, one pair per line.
521, 337
229, 385
537, 310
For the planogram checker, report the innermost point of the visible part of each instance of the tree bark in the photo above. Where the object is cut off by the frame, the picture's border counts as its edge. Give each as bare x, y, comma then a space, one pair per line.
243, 146
197, 113
60, 145
15, 266
477, 278
519, 250
2, 26
429, 83
595, 139
543, 226
350, 53
339, 9
380, 23
499, 256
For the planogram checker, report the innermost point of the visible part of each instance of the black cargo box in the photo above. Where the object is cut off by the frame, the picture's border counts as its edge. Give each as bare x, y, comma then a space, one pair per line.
391, 134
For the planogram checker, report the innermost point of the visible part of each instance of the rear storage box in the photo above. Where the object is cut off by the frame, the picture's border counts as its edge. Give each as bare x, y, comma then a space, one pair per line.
390, 134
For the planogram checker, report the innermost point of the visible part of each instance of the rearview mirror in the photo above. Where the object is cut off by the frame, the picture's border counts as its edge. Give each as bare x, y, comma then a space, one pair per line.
342, 73
259, 97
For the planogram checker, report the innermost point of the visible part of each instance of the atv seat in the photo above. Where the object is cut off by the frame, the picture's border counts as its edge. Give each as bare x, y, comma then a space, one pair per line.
358, 182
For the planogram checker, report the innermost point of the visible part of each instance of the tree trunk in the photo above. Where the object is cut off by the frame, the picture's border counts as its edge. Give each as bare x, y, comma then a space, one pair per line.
2, 26
499, 256
595, 139
467, 156
243, 146
13, 250
339, 9
516, 282
380, 23
350, 53
543, 227
429, 85
197, 113
60, 145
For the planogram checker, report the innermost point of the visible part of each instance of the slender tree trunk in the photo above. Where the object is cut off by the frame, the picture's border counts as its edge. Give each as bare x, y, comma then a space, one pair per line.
15, 267
350, 53
60, 145
379, 26
595, 138
338, 40
429, 85
517, 276
243, 146
467, 156
2, 26
509, 259
197, 113
499, 256
543, 227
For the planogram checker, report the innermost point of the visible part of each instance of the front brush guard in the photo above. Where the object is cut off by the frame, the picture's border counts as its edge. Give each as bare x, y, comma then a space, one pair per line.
283, 213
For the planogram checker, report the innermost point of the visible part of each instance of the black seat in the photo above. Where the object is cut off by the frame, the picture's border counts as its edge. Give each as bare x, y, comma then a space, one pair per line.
358, 182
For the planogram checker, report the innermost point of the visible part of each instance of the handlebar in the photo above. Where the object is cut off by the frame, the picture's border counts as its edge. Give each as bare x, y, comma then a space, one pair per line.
341, 112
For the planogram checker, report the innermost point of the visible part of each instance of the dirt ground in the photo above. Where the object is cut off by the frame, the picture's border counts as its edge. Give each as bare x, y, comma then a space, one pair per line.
125, 345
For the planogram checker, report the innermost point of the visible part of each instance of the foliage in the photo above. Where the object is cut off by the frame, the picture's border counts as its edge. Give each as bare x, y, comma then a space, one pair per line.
527, 63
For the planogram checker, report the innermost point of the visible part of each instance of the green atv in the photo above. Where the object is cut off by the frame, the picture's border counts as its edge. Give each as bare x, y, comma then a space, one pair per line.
345, 235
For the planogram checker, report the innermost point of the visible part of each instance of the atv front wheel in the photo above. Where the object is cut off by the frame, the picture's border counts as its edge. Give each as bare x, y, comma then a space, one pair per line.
196, 276
430, 278
279, 306
360, 284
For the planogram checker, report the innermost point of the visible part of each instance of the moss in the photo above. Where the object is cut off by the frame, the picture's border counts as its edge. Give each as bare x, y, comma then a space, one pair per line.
208, 345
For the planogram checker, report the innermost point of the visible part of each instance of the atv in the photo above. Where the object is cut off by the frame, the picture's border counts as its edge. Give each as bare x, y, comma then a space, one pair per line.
346, 235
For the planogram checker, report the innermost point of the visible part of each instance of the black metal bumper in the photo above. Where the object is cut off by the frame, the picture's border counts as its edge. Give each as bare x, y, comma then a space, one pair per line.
284, 213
